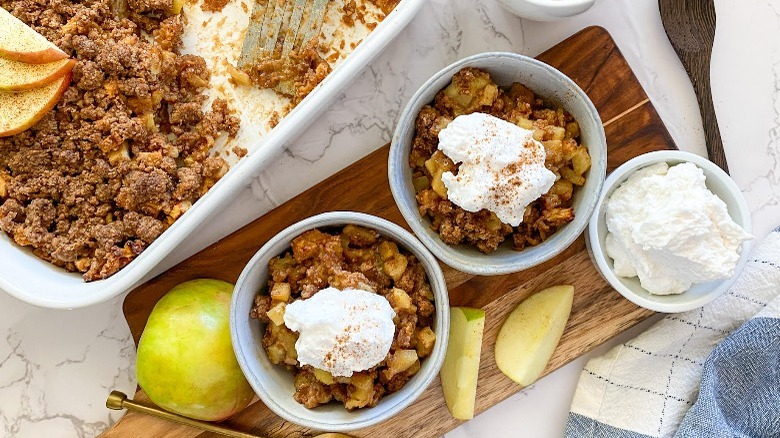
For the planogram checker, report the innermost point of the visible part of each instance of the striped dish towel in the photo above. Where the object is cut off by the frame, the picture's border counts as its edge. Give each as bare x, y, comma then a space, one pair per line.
710, 372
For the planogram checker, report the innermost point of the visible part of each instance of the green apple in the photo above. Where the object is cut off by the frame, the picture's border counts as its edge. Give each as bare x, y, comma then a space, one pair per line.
531, 332
185, 361
461, 364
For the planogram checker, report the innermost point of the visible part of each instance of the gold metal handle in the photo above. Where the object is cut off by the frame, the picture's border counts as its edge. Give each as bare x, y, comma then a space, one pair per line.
118, 400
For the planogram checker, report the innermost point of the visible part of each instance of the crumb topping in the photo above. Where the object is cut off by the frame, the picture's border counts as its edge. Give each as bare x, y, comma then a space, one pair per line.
214, 5
127, 149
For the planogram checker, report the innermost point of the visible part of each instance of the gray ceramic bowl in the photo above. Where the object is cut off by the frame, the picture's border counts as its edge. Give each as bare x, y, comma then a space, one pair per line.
274, 384
719, 183
551, 85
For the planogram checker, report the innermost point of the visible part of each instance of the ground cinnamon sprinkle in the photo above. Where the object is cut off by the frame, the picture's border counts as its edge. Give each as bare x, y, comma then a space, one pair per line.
351, 258
126, 150
472, 90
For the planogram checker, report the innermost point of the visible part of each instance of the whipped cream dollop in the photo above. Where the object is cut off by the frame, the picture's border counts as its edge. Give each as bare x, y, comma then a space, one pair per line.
341, 332
668, 229
501, 166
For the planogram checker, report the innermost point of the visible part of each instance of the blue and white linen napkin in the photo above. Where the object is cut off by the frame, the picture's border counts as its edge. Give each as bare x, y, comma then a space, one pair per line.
710, 372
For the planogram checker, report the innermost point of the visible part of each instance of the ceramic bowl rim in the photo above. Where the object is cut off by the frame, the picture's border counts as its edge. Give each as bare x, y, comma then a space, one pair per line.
557, 4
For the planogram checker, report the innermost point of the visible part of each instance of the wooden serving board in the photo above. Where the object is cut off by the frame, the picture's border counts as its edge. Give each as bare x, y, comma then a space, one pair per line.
633, 127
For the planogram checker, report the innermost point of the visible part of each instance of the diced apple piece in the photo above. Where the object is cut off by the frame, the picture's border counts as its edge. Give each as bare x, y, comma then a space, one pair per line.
276, 354
396, 266
399, 362
360, 391
3, 185
461, 364
413, 369
19, 110
360, 236
531, 332
525, 123
558, 133
581, 160
281, 292
425, 338
281, 344
324, 376
394, 263
276, 313
388, 249
437, 165
19, 42
18, 76
177, 6
400, 301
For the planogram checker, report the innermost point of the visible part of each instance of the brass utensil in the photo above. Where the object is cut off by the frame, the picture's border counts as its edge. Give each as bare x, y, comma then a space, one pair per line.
277, 27
118, 400
690, 26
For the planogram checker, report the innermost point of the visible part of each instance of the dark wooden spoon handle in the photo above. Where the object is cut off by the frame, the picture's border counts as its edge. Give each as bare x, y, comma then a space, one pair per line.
690, 26
699, 71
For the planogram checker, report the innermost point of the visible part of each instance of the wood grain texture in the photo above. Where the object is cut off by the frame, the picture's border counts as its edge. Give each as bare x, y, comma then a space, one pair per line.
690, 26
599, 313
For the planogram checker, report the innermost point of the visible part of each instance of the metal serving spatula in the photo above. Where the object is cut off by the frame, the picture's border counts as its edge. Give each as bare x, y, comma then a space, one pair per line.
690, 26
277, 27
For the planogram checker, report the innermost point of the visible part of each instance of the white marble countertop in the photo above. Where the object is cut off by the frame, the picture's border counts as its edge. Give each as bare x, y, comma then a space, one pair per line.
57, 367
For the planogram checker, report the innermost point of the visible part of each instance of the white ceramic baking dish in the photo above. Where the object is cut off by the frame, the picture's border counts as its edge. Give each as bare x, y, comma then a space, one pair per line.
37, 282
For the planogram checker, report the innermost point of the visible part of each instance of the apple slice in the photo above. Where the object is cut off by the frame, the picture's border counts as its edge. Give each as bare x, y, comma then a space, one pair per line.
461, 363
19, 110
18, 76
531, 332
19, 42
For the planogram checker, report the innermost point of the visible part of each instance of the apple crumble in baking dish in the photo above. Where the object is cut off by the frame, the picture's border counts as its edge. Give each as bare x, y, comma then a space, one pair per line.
153, 118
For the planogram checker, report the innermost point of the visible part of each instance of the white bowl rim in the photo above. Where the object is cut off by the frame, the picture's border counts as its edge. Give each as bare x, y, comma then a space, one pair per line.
558, 4
438, 286
460, 262
600, 258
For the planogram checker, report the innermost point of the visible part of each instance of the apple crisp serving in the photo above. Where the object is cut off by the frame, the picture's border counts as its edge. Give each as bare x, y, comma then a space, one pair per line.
473, 91
349, 258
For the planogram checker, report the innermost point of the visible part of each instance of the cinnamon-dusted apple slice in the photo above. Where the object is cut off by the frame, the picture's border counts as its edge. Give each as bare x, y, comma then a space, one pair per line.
19, 42
18, 76
19, 110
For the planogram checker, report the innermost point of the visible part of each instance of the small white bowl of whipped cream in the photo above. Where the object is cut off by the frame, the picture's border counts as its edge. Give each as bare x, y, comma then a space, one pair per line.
348, 323
547, 10
671, 231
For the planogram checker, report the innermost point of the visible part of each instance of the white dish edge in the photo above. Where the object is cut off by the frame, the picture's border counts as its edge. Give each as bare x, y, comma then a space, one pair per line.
37, 282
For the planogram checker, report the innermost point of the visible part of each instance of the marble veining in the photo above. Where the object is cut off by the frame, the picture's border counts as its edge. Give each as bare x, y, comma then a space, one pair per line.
57, 367
746, 91
763, 191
